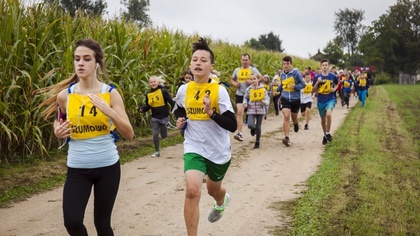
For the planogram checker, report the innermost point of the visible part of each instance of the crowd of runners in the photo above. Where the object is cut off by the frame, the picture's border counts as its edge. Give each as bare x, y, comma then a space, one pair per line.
88, 111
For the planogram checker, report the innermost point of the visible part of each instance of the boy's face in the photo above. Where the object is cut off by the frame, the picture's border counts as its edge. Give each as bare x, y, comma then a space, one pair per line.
287, 66
307, 78
324, 67
200, 64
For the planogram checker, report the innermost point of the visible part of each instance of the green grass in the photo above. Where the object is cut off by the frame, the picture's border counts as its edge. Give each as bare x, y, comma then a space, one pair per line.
368, 182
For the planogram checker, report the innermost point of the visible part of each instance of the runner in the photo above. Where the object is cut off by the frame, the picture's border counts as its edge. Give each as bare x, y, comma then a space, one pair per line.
325, 85
348, 84
265, 82
205, 109
276, 96
241, 80
256, 100
87, 113
306, 99
362, 85
158, 100
291, 84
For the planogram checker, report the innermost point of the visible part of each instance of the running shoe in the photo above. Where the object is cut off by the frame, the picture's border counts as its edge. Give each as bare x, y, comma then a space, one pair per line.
324, 140
156, 154
217, 212
296, 127
306, 127
238, 137
286, 141
252, 132
329, 137
256, 145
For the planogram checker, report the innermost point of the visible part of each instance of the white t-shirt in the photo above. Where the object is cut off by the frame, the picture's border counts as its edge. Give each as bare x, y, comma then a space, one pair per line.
205, 137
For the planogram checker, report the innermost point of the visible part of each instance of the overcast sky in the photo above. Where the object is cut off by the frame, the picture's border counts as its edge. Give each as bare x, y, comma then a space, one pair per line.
304, 26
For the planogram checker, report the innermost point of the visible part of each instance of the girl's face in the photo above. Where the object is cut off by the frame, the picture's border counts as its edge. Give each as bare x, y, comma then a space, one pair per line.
254, 80
84, 62
200, 65
154, 83
187, 78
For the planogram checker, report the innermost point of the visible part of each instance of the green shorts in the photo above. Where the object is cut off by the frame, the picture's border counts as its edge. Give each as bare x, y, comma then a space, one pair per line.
216, 172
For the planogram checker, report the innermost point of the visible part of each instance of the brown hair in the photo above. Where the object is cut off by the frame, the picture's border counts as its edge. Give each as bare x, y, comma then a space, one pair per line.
53, 90
288, 59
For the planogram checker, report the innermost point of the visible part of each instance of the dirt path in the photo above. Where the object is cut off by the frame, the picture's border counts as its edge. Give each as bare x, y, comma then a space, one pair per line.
150, 200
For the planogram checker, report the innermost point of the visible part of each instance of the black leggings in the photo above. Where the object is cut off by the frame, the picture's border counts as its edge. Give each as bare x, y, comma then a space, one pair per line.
77, 189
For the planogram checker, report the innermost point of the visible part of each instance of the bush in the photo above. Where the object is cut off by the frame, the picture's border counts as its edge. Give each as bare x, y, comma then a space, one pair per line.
383, 78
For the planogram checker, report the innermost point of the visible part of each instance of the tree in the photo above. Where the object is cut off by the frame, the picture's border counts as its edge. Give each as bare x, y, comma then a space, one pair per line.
136, 11
348, 27
271, 42
335, 52
88, 6
266, 42
255, 44
392, 43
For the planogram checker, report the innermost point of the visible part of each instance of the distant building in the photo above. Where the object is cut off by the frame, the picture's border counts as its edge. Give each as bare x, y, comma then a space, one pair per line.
319, 56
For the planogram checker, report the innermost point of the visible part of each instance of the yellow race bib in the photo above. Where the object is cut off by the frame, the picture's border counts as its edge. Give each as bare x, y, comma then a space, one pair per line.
346, 84
87, 120
275, 88
325, 87
362, 82
308, 89
194, 99
286, 84
244, 74
155, 98
256, 94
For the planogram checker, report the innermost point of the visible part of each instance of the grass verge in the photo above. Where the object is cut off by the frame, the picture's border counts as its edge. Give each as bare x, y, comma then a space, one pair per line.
368, 182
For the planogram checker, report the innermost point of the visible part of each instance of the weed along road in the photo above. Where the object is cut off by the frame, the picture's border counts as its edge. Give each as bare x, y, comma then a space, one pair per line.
151, 196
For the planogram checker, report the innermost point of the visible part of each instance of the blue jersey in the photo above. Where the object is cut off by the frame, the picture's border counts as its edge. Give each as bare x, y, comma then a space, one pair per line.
324, 89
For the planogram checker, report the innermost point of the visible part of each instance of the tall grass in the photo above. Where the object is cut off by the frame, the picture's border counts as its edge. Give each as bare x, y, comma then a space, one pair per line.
36, 51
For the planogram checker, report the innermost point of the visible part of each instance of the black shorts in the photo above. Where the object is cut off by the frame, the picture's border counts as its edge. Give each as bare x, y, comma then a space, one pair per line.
294, 106
239, 99
303, 106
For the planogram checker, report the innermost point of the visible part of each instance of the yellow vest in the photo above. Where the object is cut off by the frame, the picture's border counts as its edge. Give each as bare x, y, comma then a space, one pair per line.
87, 120
325, 88
194, 99
286, 84
346, 84
308, 89
275, 88
155, 98
256, 94
362, 82
244, 74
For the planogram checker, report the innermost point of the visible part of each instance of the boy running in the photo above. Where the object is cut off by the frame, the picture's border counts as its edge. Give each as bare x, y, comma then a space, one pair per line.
325, 84
204, 108
291, 82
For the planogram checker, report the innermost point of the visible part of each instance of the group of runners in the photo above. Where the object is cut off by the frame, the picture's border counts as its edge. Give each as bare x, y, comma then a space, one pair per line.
204, 114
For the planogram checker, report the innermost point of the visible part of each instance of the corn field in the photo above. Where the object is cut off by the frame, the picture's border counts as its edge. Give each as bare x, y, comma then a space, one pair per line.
36, 46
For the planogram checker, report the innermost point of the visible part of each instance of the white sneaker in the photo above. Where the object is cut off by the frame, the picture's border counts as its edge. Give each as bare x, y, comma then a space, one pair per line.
156, 154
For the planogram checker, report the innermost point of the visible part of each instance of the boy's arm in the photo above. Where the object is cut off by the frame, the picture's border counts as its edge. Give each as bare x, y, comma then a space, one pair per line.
226, 120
